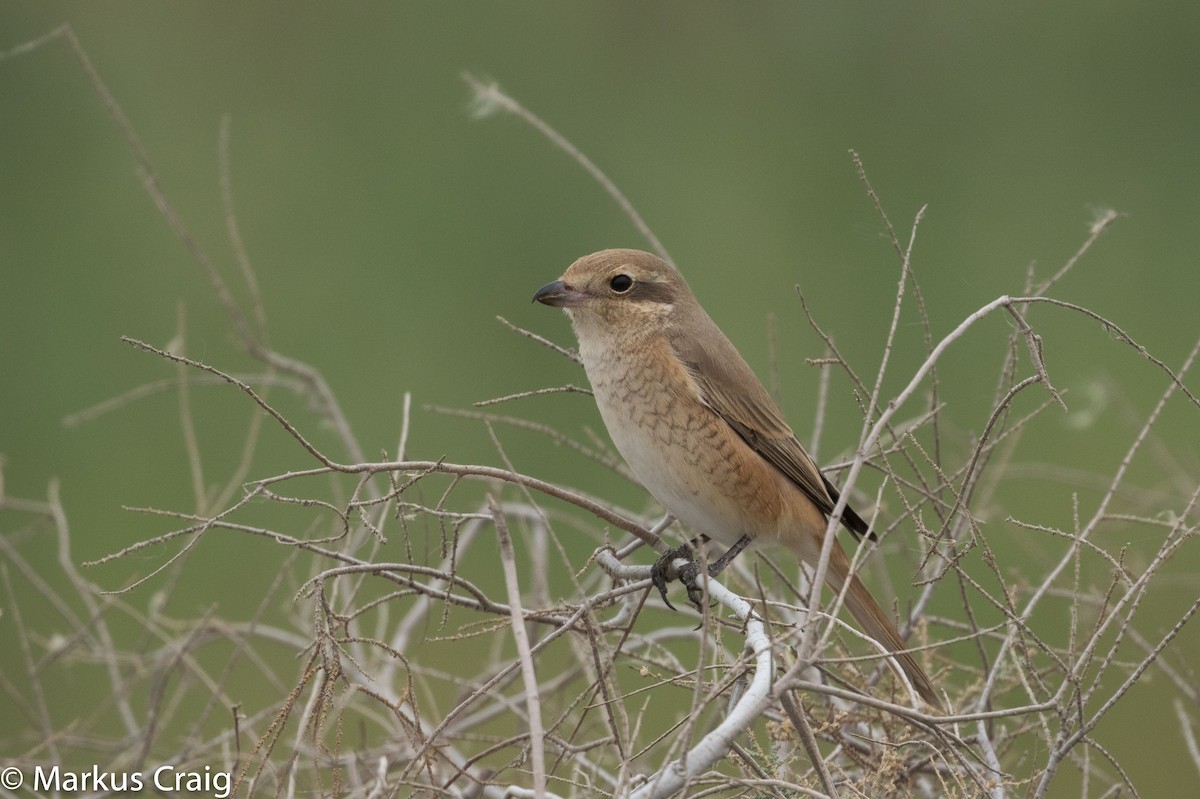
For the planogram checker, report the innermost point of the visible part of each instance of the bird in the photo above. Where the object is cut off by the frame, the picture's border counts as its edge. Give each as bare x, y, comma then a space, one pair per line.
700, 432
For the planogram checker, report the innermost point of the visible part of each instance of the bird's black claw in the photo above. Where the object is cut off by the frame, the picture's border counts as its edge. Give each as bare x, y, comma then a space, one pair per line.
663, 571
661, 574
688, 576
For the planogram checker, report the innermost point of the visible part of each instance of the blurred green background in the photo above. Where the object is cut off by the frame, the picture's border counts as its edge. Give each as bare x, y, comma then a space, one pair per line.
389, 228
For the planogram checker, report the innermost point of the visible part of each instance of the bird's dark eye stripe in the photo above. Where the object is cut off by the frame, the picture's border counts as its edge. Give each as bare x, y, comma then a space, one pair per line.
653, 291
620, 283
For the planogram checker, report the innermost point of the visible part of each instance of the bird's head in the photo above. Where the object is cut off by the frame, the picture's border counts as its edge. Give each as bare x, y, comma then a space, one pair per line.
617, 289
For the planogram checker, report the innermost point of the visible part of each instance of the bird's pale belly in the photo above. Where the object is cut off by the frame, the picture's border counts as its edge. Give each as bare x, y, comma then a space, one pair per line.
683, 454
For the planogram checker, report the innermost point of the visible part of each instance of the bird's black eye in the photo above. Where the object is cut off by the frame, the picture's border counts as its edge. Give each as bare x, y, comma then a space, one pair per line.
620, 283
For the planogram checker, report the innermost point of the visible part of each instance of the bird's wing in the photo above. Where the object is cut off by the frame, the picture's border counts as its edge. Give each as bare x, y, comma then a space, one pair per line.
729, 387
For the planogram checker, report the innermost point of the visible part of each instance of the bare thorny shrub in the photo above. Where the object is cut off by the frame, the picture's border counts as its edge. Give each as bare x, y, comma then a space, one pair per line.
556, 677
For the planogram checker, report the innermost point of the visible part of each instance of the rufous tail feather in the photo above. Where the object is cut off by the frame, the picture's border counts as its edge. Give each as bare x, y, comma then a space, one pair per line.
875, 623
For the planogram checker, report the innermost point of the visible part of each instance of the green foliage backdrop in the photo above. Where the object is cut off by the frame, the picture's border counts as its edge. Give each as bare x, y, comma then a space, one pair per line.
389, 228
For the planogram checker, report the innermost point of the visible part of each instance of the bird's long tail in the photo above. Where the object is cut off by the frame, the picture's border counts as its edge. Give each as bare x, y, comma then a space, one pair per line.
875, 623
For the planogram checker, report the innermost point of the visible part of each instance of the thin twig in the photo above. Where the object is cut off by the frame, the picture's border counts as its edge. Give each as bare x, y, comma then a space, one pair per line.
524, 655
489, 98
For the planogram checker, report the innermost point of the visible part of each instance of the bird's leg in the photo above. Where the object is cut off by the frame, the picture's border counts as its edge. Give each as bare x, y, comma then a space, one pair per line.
663, 570
718, 565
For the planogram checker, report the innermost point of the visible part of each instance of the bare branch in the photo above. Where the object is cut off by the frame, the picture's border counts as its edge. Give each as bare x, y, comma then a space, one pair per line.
489, 98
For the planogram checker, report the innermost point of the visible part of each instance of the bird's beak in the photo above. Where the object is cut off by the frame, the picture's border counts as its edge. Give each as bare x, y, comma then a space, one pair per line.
560, 295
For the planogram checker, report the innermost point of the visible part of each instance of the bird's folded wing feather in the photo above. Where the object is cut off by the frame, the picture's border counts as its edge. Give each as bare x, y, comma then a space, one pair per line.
729, 387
